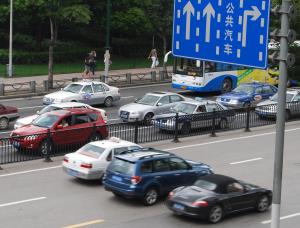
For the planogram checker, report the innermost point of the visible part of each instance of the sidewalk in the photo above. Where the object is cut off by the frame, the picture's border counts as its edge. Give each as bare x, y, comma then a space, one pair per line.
40, 79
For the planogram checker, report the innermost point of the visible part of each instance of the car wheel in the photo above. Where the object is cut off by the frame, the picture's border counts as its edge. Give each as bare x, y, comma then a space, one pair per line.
4, 123
44, 145
223, 124
151, 197
287, 115
148, 118
263, 204
226, 85
108, 102
95, 137
186, 128
215, 214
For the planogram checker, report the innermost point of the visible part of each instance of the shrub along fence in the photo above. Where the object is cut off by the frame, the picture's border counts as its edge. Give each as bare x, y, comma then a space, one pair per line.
23, 148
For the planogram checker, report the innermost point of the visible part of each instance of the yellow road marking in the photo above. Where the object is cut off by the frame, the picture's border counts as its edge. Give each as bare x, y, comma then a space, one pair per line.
84, 224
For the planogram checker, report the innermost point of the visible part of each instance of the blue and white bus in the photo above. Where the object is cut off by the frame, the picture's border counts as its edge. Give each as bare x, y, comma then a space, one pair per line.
201, 76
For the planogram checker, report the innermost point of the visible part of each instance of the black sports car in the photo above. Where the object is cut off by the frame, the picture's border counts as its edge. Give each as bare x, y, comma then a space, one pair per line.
213, 196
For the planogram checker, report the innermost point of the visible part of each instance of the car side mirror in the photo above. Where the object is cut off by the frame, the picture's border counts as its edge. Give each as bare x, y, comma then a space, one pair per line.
58, 127
159, 104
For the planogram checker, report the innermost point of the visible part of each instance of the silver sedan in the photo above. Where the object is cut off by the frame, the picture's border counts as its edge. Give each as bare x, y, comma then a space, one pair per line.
151, 104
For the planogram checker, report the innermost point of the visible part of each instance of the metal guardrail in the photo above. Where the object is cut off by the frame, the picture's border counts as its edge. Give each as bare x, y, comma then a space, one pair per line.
30, 147
117, 79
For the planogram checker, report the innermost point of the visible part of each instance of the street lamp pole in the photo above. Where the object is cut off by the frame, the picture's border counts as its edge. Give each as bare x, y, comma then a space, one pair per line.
107, 54
10, 39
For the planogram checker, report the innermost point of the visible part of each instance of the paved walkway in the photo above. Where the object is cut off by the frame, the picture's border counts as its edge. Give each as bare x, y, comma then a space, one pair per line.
40, 79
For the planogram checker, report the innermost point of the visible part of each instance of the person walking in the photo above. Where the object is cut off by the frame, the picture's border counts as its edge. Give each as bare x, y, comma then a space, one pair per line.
92, 61
153, 56
87, 66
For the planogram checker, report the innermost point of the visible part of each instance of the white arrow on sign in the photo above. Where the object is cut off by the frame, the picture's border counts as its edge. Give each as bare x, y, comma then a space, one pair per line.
255, 13
209, 12
188, 10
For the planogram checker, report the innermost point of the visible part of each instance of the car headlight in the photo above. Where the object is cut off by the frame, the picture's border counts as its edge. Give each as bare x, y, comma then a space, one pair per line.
30, 137
134, 113
234, 101
218, 99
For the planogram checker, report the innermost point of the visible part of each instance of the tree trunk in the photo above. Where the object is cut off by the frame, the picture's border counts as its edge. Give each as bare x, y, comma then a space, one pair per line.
51, 49
165, 51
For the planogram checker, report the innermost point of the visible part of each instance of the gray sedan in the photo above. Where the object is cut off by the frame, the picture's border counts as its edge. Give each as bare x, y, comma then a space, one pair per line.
151, 104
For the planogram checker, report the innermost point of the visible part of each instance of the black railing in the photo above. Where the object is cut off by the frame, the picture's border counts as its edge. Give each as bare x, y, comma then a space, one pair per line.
54, 143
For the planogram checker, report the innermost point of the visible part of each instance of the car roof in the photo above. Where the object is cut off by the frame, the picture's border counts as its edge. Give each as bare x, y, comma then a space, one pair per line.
255, 84
162, 93
202, 102
218, 179
112, 143
68, 104
63, 112
87, 82
144, 153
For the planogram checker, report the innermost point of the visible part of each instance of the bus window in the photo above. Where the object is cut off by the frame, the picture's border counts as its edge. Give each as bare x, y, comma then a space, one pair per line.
188, 67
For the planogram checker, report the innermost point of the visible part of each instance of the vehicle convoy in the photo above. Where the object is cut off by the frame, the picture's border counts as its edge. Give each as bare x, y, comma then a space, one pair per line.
91, 160
201, 76
214, 196
268, 108
52, 107
73, 126
149, 174
88, 92
7, 114
247, 94
151, 104
194, 114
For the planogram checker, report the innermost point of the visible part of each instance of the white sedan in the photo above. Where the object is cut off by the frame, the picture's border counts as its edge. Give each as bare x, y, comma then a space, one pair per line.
28, 119
88, 92
91, 160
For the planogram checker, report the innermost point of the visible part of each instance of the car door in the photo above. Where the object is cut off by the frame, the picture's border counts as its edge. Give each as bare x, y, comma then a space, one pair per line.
267, 92
238, 197
87, 94
182, 172
163, 105
99, 93
62, 133
82, 128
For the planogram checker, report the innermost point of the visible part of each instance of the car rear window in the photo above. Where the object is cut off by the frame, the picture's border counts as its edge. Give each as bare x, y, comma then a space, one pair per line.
205, 185
91, 151
122, 166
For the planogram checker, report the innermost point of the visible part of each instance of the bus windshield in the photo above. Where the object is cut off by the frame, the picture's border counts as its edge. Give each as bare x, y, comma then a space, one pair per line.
189, 67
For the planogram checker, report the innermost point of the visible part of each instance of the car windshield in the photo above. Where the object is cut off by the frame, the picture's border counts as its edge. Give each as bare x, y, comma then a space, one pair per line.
205, 185
185, 108
91, 151
289, 97
73, 88
46, 120
148, 100
244, 88
48, 108
122, 166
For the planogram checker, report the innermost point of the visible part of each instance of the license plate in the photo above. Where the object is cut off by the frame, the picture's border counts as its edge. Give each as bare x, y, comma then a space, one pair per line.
73, 173
124, 115
178, 206
116, 178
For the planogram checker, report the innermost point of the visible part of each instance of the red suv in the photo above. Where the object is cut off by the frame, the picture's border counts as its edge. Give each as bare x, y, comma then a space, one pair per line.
7, 114
50, 130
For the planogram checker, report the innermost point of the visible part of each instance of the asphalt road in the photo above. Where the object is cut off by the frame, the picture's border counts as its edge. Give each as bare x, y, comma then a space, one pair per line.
36, 196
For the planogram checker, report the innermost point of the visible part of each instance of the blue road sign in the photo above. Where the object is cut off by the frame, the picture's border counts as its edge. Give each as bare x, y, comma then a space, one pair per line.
228, 31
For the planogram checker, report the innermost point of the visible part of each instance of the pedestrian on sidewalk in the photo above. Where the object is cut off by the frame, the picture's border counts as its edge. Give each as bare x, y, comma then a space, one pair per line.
87, 68
153, 56
92, 61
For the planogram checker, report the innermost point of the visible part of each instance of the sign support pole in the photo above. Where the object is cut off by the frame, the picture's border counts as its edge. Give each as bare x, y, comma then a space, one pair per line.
281, 112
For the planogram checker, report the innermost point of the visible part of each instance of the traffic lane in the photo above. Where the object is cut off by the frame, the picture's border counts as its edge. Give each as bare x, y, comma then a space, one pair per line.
123, 211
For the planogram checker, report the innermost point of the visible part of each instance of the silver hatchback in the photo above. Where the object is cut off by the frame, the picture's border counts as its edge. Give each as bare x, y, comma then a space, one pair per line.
151, 104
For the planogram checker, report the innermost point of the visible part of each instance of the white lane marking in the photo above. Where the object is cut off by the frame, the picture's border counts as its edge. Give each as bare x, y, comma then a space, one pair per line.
245, 161
228, 140
22, 201
30, 171
32, 107
127, 97
282, 218
4, 132
144, 86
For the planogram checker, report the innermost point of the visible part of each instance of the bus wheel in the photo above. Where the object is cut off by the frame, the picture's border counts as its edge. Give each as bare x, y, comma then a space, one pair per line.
226, 85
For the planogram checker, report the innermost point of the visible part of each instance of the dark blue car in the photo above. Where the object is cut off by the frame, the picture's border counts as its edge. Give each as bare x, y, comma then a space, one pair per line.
149, 174
247, 94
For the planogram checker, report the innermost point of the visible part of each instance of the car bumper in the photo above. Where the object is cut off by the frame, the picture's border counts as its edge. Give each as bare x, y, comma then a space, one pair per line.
189, 211
87, 176
165, 126
263, 113
128, 193
131, 118
231, 105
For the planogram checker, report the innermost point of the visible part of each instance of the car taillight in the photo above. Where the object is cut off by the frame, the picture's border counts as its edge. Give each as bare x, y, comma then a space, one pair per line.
66, 159
136, 179
86, 165
200, 203
170, 194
